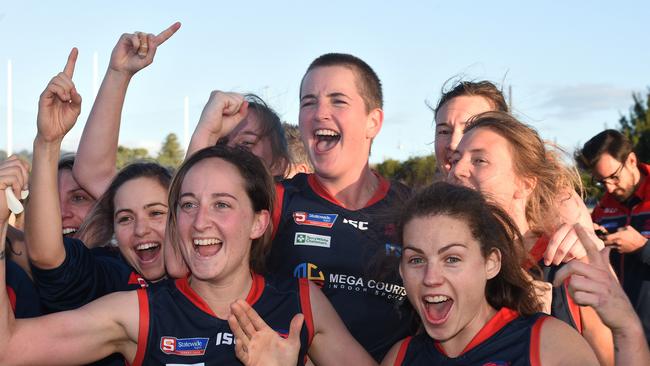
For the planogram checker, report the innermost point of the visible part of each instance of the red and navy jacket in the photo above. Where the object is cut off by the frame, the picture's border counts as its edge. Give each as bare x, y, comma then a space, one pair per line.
84, 276
178, 327
23, 297
318, 239
563, 306
508, 339
633, 269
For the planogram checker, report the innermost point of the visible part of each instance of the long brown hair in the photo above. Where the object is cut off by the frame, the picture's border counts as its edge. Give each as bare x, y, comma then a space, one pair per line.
492, 228
533, 158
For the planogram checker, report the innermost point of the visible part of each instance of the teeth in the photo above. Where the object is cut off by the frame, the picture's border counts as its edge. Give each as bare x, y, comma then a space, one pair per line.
436, 299
206, 241
325, 132
69, 230
145, 246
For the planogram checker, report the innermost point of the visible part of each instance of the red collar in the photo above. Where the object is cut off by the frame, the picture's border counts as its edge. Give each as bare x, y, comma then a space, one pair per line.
379, 194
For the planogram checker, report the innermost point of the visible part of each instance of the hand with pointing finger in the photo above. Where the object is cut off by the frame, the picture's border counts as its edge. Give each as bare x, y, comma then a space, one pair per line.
59, 104
135, 51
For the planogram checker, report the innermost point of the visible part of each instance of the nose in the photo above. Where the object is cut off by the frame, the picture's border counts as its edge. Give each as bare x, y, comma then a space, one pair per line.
454, 140
433, 276
322, 111
142, 227
610, 186
459, 172
201, 221
66, 212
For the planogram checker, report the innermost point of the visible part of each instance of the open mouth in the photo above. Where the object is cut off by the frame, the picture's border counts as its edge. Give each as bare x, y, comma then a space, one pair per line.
326, 139
207, 247
69, 231
437, 308
147, 252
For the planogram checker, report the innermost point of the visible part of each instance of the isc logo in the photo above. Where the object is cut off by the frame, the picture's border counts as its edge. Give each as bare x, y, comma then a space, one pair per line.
225, 339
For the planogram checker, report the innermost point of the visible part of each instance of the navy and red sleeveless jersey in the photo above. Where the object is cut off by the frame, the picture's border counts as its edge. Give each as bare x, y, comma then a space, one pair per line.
563, 306
23, 297
84, 276
508, 339
316, 238
633, 269
178, 327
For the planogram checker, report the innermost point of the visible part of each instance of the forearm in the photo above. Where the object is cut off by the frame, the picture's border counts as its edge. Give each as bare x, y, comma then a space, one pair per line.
6, 314
94, 166
43, 214
630, 346
200, 140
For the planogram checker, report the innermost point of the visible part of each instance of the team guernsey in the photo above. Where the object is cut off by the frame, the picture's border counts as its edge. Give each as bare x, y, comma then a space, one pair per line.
177, 327
23, 297
84, 276
318, 239
508, 339
563, 306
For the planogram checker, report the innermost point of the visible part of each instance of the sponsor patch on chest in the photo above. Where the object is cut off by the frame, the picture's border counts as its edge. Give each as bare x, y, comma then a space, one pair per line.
312, 240
183, 346
315, 219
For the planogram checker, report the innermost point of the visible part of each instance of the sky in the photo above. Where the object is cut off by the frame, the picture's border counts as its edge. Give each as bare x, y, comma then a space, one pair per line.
572, 66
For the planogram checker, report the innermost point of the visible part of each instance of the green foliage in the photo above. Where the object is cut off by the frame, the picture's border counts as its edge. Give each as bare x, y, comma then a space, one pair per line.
171, 155
636, 125
415, 172
127, 155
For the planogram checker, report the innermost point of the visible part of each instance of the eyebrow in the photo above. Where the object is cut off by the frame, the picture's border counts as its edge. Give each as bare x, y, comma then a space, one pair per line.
78, 189
148, 205
213, 195
330, 95
440, 251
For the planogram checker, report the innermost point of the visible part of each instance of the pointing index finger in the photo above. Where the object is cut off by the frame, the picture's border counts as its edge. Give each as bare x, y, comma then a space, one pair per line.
587, 241
72, 60
164, 35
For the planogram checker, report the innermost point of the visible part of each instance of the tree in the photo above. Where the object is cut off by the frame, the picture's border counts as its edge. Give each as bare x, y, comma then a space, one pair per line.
636, 125
416, 172
171, 155
127, 155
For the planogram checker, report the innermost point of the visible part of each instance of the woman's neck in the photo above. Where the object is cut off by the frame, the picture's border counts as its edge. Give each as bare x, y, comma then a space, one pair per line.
352, 192
219, 294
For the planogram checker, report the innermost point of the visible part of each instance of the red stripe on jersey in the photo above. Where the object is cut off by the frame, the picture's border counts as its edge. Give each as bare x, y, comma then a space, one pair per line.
574, 308
277, 209
305, 306
256, 289
498, 321
402, 351
143, 327
380, 192
12, 298
253, 294
537, 251
535, 340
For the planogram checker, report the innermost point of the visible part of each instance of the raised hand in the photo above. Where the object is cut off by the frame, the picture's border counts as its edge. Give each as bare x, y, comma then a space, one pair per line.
59, 104
135, 51
14, 174
257, 344
222, 113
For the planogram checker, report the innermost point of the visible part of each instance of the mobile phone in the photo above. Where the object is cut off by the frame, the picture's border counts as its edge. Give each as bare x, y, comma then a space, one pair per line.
601, 234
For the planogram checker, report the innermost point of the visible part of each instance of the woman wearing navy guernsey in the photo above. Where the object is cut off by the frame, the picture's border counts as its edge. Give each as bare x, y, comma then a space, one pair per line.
221, 201
330, 224
461, 267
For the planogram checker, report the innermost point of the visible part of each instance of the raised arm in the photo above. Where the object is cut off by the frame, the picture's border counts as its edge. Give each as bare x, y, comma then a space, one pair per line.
58, 108
595, 285
94, 166
76, 337
221, 114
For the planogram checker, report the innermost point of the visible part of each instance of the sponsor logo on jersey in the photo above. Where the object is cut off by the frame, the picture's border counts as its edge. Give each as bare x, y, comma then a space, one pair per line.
225, 338
309, 271
361, 225
393, 250
609, 210
136, 279
312, 240
314, 219
183, 346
